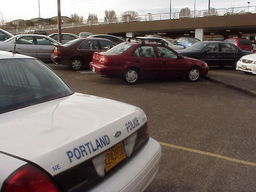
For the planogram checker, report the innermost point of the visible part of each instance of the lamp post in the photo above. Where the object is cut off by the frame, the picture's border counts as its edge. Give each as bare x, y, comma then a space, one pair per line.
209, 5
39, 11
2, 21
194, 8
59, 21
170, 9
248, 5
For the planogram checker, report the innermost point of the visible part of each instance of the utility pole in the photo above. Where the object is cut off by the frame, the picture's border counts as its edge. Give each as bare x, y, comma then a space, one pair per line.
59, 21
209, 6
194, 8
170, 9
39, 11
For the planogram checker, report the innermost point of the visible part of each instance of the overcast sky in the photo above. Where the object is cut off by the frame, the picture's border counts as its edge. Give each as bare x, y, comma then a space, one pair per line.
27, 9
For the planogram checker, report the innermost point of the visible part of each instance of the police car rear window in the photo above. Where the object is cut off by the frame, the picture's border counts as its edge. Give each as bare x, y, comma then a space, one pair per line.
26, 82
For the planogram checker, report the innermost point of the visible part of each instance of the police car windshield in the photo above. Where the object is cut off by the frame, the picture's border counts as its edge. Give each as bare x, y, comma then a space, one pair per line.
25, 82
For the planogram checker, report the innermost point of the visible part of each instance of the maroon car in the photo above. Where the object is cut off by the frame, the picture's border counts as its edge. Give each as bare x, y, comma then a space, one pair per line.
78, 53
132, 61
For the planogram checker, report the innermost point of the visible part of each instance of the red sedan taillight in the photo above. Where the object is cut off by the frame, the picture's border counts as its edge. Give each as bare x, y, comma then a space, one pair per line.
56, 51
29, 179
104, 60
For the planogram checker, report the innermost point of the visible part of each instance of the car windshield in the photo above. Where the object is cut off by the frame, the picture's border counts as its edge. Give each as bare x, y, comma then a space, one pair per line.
26, 82
197, 46
119, 49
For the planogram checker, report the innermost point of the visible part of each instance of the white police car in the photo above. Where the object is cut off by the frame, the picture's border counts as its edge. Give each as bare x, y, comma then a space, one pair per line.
55, 140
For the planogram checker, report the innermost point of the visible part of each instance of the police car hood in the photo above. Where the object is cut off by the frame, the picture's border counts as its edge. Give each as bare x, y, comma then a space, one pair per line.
51, 134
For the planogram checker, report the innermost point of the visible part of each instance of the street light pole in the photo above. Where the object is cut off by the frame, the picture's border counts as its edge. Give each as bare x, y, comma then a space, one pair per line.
59, 21
194, 8
170, 9
248, 5
2, 21
39, 11
209, 5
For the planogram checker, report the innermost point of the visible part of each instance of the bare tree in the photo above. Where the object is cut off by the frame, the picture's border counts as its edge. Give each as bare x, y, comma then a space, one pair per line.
212, 11
130, 16
185, 12
92, 19
75, 18
110, 16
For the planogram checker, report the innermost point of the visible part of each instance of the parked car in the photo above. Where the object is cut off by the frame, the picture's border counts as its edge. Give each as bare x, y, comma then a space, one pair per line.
53, 139
247, 64
135, 60
214, 53
243, 44
78, 53
186, 41
84, 34
4, 35
161, 40
65, 37
112, 38
39, 46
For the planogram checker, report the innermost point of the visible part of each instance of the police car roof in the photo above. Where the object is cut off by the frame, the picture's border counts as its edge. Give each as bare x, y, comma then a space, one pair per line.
10, 55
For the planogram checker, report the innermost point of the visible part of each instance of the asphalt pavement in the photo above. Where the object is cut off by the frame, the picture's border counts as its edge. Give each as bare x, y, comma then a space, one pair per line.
234, 79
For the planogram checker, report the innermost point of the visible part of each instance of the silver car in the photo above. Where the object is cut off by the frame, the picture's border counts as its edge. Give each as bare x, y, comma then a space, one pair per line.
65, 37
39, 46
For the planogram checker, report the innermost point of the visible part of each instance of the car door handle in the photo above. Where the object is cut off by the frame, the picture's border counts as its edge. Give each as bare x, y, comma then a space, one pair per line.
137, 61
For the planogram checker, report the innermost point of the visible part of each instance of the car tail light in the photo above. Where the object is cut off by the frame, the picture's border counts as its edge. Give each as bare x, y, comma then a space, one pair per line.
56, 51
104, 60
29, 179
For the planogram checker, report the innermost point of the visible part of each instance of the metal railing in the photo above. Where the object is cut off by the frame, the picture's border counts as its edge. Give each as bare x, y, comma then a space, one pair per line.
159, 16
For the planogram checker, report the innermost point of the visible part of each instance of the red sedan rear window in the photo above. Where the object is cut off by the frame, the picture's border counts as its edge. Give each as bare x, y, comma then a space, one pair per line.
119, 49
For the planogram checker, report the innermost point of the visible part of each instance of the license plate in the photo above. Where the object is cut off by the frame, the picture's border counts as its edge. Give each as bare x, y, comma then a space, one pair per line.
114, 156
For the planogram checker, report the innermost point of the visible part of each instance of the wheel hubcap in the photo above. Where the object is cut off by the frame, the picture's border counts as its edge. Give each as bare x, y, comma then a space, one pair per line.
131, 76
76, 64
194, 74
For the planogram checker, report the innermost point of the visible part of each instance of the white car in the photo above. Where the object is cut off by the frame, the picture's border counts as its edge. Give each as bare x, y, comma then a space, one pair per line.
247, 64
55, 140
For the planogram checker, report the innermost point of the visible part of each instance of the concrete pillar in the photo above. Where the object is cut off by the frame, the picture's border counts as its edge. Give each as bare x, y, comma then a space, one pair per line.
199, 34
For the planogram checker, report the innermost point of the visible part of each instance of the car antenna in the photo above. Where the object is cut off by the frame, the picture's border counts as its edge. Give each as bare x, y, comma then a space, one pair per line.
14, 48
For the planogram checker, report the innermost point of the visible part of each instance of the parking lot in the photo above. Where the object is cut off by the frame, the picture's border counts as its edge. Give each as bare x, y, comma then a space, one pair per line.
207, 130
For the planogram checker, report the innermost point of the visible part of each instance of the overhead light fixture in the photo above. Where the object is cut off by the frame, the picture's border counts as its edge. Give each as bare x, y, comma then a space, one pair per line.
240, 32
228, 30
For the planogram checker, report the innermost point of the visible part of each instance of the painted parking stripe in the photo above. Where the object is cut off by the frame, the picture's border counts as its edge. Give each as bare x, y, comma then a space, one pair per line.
253, 164
85, 72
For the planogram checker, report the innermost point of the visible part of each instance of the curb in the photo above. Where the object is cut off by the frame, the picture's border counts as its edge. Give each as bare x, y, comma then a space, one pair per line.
246, 91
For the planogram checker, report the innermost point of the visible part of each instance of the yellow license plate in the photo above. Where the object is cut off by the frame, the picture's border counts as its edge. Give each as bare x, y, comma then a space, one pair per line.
114, 155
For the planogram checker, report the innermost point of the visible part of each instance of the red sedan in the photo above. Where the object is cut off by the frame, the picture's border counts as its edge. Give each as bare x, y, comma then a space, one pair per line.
133, 61
78, 53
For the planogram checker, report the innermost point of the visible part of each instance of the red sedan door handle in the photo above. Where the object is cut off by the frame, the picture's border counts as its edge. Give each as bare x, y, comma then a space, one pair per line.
137, 61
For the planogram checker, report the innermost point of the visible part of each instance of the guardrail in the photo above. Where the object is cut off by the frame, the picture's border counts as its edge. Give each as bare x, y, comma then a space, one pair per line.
161, 16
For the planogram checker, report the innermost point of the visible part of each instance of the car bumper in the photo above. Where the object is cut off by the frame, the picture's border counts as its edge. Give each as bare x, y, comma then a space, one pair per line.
136, 174
249, 68
58, 60
106, 69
